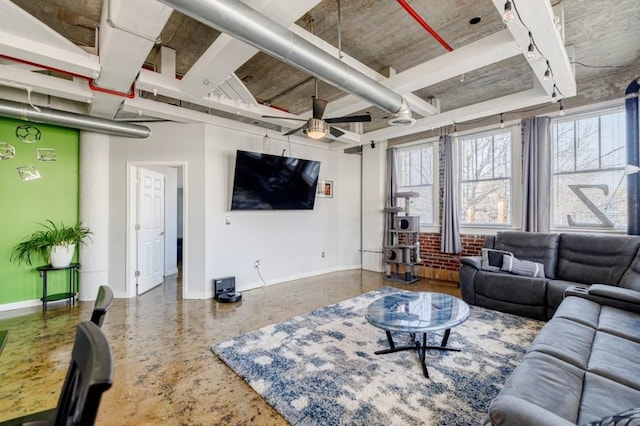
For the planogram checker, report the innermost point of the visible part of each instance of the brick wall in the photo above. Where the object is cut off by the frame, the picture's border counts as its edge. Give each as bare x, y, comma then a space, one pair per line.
442, 266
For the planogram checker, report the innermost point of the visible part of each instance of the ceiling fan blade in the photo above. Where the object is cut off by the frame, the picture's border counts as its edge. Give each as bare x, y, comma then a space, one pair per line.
350, 119
290, 132
335, 131
318, 108
284, 118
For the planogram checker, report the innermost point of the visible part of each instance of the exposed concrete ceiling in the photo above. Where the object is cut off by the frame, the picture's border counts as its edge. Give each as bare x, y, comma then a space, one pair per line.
186, 71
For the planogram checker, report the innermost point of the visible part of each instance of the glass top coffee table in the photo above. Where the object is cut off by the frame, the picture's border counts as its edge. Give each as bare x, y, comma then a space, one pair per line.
417, 312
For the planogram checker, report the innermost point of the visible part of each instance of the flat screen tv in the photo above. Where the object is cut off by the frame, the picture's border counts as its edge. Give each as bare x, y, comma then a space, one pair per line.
272, 182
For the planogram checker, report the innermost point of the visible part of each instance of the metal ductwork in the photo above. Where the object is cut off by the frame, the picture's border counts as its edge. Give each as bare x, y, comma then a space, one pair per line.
244, 23
72, 120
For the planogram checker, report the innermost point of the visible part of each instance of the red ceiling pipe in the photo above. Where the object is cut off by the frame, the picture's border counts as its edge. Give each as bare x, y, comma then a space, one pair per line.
90, 80
424, 24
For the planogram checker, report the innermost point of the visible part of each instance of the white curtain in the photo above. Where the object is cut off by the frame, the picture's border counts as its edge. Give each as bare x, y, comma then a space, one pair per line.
536, 174
450, 242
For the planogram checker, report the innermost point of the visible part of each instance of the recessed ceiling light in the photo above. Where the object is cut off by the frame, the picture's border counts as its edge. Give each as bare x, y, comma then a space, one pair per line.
475, 20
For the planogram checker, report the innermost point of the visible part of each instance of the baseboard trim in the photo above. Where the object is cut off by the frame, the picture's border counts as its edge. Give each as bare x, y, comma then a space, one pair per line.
20, 305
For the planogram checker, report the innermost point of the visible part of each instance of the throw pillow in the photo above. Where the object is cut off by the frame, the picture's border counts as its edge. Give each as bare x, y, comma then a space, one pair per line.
627, 418
492, 259
522, 267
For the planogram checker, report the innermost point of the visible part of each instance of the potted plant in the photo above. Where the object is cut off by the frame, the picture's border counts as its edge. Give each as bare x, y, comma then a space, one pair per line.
55, 243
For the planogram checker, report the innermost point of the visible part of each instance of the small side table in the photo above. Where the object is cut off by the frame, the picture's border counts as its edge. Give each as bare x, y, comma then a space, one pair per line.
73, 278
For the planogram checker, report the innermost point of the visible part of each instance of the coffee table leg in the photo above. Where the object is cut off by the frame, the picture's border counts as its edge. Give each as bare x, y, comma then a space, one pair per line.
390, 339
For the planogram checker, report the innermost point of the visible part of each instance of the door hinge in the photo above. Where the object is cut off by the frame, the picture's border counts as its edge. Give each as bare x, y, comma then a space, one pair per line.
137, 227
137, 274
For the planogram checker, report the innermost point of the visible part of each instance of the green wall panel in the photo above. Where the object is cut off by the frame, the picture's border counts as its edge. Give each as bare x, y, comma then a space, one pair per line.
25, 204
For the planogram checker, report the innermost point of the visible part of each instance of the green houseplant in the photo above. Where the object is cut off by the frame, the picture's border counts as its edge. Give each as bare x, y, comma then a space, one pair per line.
54, 243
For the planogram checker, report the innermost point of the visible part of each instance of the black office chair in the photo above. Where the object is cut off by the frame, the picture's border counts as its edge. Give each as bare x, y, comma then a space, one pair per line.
90, 374
102, 305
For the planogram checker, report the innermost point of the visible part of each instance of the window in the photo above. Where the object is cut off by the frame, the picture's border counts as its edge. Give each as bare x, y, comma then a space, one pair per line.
416, 165
589, 185
485, 178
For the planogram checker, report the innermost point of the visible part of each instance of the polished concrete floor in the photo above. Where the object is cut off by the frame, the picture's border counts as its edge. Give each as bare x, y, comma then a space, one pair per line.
164, 370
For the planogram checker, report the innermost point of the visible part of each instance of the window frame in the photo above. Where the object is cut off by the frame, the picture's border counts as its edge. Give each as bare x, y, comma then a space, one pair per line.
515, 186
435, 202
588, 111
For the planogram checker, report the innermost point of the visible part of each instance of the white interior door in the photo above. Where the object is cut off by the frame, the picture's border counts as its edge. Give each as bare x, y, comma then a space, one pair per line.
150, 227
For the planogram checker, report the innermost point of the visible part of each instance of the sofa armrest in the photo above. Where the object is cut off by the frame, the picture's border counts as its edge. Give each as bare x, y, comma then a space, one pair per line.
510, 410
613, 292
474, 261
609, 295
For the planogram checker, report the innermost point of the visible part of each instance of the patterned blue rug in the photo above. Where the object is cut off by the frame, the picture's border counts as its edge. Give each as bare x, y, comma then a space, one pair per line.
320, 368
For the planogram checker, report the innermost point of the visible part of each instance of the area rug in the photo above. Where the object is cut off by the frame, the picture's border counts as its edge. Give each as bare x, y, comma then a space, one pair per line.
320, 368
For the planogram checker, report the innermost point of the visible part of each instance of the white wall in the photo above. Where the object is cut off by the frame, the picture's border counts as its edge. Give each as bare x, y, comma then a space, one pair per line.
171, 143
289, 243
373, 190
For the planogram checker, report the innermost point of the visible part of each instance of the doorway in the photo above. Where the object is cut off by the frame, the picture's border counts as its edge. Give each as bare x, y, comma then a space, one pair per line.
154, 222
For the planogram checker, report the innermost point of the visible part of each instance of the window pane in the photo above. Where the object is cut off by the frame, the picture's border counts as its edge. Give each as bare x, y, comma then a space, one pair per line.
564, 147
612, 137
502, 155
486, 202
468, 157
587, 149
415, 173
485, 172
484, 158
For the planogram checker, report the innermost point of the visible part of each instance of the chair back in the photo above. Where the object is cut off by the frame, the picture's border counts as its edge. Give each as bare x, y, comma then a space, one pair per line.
90, 374
102, 305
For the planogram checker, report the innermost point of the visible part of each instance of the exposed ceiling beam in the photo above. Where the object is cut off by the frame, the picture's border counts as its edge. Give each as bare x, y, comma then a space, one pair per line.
182, 115
15, 76
417, 104
45, 47
495, 106
539, 18
227, 54
124, 44
489, 50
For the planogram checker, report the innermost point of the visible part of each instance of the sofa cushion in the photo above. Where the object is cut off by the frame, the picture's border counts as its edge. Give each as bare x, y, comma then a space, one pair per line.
547, 382
601, 397
511, 288
536, 247
587, 258
626, 418
631, 277
522, 267
579, 310
620, 323
566, 340
615, 358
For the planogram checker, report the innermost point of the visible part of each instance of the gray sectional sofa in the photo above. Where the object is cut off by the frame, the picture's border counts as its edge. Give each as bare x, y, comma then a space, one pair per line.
583, 366
567, 259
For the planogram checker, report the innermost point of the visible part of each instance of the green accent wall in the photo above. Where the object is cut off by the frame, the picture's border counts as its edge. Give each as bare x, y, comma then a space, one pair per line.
25, 204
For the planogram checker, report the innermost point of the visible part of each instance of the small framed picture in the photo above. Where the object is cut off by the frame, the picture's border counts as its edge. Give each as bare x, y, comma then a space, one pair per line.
325, 189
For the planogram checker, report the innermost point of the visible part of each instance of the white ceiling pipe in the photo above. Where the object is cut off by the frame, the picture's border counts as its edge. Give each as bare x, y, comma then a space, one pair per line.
246, 24
72, 120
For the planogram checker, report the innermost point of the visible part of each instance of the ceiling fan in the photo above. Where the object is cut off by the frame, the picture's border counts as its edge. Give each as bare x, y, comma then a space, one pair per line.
317, 127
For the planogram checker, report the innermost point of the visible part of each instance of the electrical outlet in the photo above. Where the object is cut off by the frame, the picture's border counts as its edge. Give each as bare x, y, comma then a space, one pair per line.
257, 263
322, 254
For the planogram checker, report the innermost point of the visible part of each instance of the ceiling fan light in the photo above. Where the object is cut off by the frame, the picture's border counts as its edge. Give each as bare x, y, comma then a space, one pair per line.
316, 129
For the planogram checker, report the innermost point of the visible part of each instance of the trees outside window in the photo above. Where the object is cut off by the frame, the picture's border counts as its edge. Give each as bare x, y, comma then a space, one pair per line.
589, 189
415, 167
485, 178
